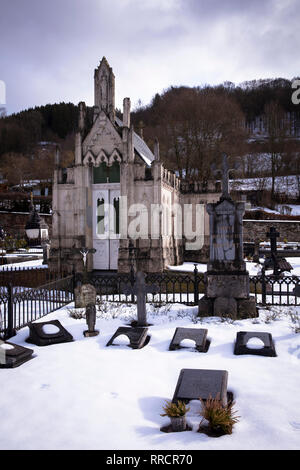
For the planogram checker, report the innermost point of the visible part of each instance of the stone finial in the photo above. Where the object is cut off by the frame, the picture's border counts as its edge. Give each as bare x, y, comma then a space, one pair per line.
81, 117
156, 150
57, 156
104, 81
126, 112
141, 129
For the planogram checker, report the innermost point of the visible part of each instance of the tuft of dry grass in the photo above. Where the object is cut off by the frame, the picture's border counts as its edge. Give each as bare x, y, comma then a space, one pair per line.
220, 418
174, 410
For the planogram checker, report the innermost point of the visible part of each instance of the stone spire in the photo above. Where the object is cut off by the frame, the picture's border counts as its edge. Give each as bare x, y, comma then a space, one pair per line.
104, 80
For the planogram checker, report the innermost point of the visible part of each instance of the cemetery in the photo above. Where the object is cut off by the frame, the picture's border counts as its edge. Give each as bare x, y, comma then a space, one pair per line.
149, 253
199, 350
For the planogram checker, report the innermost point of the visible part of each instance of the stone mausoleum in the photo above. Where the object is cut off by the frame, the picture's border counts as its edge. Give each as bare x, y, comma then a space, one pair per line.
114, 168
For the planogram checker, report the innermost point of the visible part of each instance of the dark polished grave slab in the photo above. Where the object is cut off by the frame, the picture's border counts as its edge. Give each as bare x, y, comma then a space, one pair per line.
38, 336
14, 356
137, 336
243, 337
199, 335
193, 384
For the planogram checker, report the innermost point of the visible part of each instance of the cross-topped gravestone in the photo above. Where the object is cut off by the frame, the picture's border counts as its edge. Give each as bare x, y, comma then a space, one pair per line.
278, 264
84, 251
296, 290
225, 174
140, 289
273, 235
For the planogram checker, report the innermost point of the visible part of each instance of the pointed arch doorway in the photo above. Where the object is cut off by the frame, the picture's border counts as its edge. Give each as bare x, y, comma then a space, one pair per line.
106, 227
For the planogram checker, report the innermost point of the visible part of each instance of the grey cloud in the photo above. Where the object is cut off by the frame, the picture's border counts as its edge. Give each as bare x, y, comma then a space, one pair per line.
48, 50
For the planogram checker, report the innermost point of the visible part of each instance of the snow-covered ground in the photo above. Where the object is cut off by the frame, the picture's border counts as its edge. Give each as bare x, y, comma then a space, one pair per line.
83, 395
283, 184
252, 268
37, 263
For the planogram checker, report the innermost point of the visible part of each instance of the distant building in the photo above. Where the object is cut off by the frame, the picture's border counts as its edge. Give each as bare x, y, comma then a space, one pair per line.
113, 163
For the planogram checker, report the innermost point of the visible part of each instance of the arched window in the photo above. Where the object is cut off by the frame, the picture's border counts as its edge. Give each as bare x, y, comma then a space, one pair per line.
100, 217
114, 172
100, 173
116, 215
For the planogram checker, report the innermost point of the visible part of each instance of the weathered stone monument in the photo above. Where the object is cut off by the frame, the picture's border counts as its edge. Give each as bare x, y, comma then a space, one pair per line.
140, 289
84, 293
90, 314
278, 263
226, 279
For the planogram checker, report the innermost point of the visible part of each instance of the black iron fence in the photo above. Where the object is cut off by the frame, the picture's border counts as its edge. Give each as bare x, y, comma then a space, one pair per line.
187, 288
20, 306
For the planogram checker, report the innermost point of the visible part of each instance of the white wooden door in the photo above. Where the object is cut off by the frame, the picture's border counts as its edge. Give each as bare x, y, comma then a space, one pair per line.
105, 228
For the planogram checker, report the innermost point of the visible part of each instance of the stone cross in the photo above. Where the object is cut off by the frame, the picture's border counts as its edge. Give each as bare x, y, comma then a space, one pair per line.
84, 252
273, 234
140, 289
296, 291
225, 174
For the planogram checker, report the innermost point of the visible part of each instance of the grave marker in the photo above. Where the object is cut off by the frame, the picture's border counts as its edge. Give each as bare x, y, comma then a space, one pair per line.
140, 289
90, 313
12, 355
137, 336
39, 335
196, 334
193, 384
243, 337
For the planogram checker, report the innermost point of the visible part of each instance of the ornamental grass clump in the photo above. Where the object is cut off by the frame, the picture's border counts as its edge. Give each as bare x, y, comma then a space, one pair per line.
175, 410
220, 419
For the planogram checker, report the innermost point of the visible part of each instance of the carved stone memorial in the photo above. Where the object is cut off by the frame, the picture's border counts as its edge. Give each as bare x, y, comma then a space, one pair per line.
226, 280
46, 333
201, 383
90, 313
85, 294
243, 346
12, 355
137, 336
196, 334
140, 289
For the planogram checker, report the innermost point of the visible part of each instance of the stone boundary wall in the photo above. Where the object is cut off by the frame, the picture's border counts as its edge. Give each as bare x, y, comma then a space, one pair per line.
289, 229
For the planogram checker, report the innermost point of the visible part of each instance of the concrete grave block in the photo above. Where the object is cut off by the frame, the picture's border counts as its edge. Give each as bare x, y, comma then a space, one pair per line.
242, 338
41, 335
196, 334
12, 355
193, 384
137, 336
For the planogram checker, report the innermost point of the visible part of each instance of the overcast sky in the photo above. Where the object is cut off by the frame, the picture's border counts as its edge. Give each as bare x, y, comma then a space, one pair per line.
50, 48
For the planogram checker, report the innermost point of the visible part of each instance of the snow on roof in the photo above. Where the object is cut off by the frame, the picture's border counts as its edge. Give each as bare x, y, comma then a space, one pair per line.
140, 146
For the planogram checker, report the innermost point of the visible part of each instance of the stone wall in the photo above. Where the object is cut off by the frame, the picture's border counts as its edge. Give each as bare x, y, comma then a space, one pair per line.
258, 228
